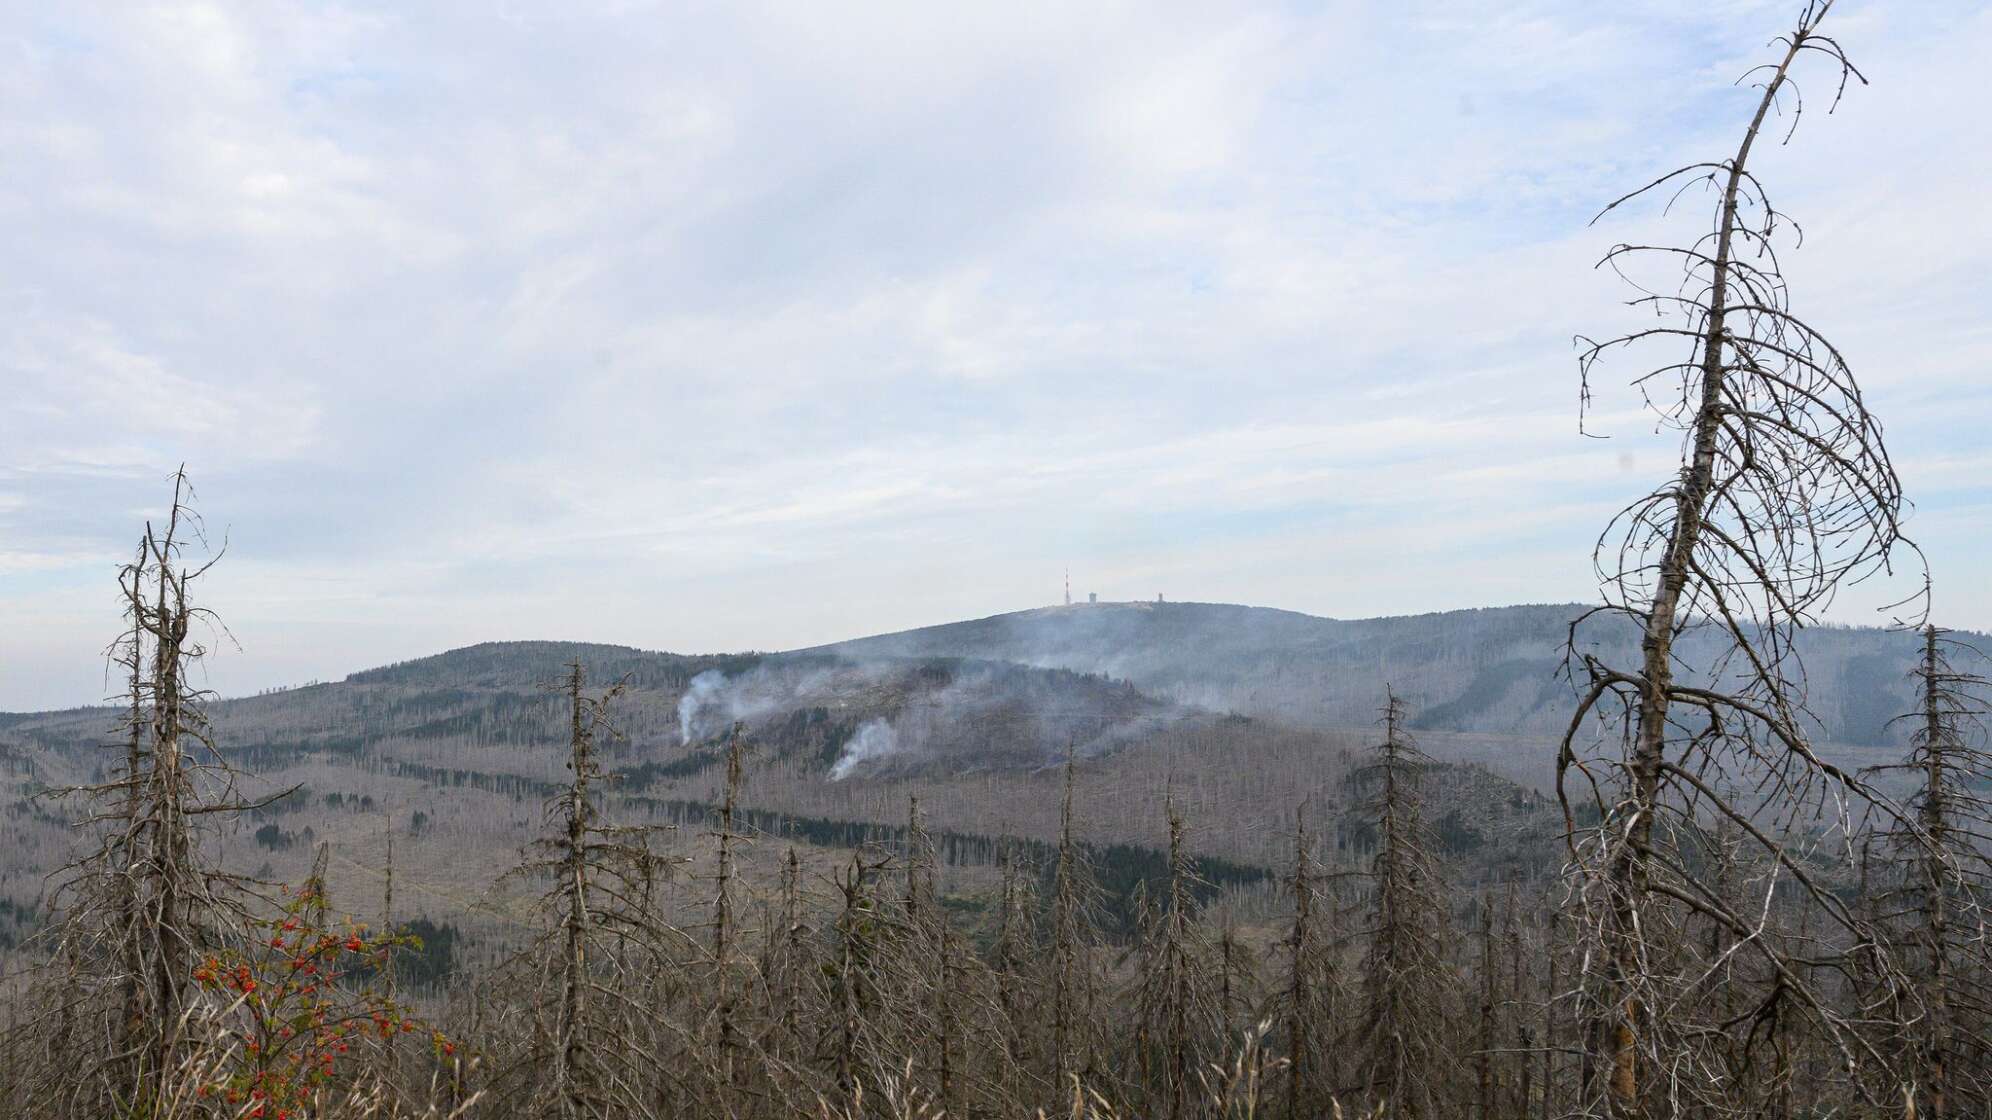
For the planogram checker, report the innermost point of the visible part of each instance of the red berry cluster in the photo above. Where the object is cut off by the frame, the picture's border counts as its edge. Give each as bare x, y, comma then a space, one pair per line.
296, 1002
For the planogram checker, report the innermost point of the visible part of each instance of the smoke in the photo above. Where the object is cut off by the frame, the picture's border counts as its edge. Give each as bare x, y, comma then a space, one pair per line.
875, 739
961, 715
698, 696
714, 702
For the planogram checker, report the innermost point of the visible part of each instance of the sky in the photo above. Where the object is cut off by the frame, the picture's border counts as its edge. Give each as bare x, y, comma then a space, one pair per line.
712, 327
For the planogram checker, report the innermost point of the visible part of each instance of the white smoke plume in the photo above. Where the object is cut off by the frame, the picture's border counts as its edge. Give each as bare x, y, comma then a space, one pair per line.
713, 701
874, 739
698, 695
965, 715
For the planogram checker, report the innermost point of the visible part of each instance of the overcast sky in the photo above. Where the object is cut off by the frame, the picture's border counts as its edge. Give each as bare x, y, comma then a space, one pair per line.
714, 326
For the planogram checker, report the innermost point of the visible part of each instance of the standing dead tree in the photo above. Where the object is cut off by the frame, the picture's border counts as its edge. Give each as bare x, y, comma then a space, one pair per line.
1178, 1010
787, 986
859, 1044
1309, 996
1941, 884
1410, 988
723, 1027
587, 1056
1785, 493
1073, 977
135, 913
923, 973
1015, 944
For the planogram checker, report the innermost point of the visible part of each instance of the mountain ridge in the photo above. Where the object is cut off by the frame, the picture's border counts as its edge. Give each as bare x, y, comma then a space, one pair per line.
1491, 670
1482, 670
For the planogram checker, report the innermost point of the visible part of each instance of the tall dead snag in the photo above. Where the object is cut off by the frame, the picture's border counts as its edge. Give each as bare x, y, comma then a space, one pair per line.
1486, 1029
585, 1058
921, 970
1941, 885
858, 1042
134, 914
1176, 1005
958, 1037
1239, 999
1075, 937
723, 1020
1309, 993
1410, 988
1784, 493
791, 958
1016, 940
1521, 999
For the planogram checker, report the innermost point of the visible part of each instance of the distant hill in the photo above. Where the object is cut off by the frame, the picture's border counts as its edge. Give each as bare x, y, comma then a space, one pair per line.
1241, 715
493, 709
1489, 671
1011, 690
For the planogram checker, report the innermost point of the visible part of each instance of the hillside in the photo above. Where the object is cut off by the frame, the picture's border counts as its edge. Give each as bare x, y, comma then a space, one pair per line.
1491, 671
494, 709
1241, 714
456, 754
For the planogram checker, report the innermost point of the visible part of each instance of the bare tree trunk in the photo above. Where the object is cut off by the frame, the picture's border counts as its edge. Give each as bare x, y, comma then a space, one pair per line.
722, 915
1785, 491
1936, 939
1072, 943
1411, 988
570, 1068
1484, 1059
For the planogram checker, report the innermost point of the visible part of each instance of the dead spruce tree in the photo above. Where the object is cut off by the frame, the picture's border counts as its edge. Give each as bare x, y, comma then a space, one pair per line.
1309, 995
1072, 969
788, 984
1784, 494
960, 1037
722, 1034
1015, 945
1935, 896
1487, 1024
136, 912
860, 1044
592, 1051
926, 973
1176, 1005
1523, 999
1411, 997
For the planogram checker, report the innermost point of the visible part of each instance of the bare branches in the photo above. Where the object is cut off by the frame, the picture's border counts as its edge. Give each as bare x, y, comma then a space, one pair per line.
1175, 1003
1410, 989
595, 1056
1937, 894
1786, 494
137, 911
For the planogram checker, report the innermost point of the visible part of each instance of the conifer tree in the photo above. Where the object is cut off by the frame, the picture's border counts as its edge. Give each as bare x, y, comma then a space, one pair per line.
1072, 982
594, 1049
1309, 998
1176, 1001
1410, 988
1936, 894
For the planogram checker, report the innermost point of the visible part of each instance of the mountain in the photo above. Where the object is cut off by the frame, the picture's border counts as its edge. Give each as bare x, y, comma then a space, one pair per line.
1492, 671
1239, 715
495, 709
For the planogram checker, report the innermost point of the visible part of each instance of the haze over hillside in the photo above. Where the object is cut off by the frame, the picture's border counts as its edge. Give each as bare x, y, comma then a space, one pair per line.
1247, 710
1019, 688
1491, 671
457, 752
1244, 713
